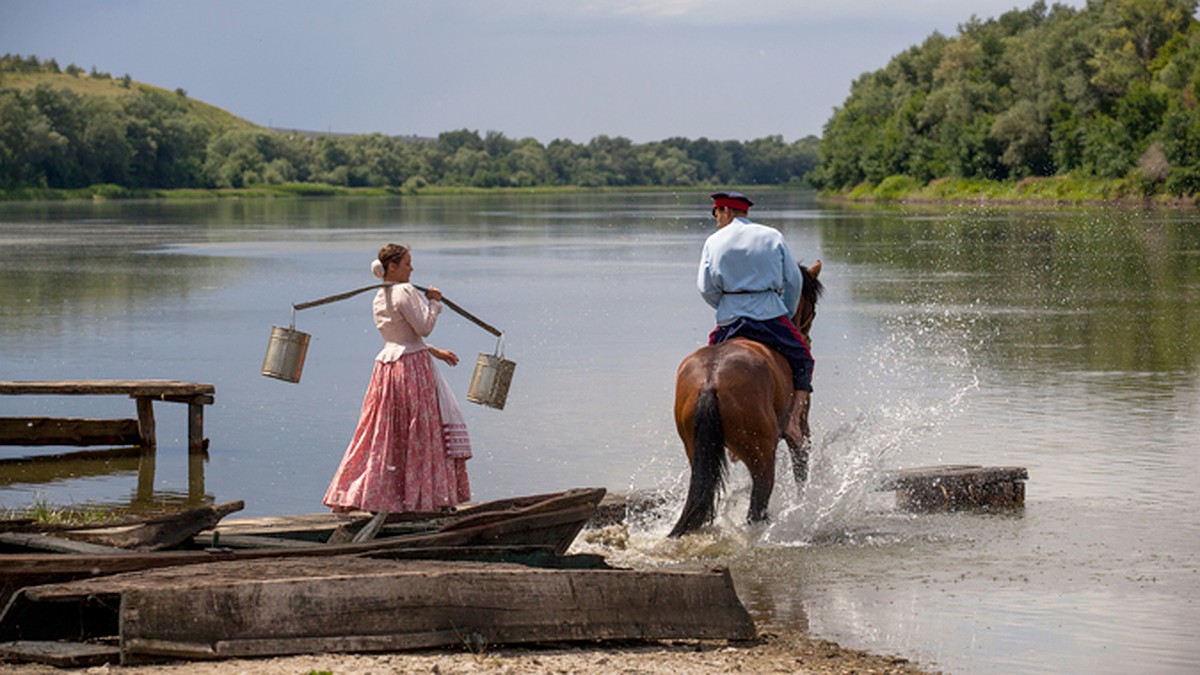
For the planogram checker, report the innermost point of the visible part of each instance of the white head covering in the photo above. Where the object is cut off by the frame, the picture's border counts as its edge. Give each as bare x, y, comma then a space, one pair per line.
377, 268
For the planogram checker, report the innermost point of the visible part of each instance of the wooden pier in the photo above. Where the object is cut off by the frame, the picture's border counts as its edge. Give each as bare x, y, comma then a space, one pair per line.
139, 432
82, 432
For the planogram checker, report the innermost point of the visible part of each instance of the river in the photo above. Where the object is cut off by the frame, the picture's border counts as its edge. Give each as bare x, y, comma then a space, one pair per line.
1065, 341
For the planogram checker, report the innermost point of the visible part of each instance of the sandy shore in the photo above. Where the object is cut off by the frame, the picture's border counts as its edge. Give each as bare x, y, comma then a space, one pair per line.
774, 652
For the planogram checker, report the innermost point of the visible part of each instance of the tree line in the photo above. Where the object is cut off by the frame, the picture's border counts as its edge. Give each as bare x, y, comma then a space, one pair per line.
53, 137
1108, 91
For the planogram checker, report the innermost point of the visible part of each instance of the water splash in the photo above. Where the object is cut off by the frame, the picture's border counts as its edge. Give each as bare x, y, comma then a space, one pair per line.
897, 403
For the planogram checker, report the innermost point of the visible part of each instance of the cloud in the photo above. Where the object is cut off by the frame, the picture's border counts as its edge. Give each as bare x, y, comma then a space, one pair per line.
944, 13
643, 69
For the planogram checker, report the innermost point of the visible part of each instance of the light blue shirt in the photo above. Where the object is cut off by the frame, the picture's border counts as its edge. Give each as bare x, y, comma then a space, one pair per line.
747, 270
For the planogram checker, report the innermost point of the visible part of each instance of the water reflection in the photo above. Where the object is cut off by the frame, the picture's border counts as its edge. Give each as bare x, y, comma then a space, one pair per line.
32, 472
1064, 341
1100, 290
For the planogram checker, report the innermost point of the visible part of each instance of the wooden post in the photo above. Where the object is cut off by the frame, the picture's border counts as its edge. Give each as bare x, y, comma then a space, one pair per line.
196, 476
196, 442
145, 479
145, 412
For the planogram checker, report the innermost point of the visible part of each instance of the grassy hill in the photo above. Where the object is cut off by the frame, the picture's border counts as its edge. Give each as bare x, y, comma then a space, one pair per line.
87, 85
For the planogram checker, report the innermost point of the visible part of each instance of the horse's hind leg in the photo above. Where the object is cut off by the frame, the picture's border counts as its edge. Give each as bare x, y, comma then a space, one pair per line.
762, 475
800, 450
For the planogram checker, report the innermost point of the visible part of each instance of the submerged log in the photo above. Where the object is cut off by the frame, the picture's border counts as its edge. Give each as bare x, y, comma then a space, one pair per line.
957, 486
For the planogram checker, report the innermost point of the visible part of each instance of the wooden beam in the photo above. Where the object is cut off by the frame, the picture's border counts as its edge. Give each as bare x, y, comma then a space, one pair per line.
158, 388
67, 431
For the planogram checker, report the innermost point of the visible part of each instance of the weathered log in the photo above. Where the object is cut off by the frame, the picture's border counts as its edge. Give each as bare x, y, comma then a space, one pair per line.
275, 608
158, 533
954, 487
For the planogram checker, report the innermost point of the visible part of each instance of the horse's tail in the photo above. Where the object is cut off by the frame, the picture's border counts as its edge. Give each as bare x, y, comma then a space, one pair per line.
708, 466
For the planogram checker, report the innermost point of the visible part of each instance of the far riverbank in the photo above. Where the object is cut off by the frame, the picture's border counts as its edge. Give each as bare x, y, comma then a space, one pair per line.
1048, 191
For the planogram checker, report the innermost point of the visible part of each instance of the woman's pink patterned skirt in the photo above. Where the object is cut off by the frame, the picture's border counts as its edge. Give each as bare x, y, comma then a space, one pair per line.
397, 460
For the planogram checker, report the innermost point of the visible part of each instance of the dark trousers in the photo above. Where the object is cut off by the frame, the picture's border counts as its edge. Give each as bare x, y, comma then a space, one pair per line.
781, 335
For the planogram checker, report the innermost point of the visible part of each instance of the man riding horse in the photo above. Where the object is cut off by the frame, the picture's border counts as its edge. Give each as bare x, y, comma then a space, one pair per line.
748, 274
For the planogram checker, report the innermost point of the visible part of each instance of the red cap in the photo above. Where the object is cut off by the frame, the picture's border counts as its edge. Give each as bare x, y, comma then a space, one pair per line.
734, 200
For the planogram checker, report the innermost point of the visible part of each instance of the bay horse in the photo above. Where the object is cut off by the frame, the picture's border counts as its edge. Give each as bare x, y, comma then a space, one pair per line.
734, 395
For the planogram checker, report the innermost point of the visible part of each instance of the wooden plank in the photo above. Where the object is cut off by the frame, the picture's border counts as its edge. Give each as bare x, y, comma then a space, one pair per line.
89, 387
202, 399
162, 532
360, 607
59, 654
313, 524
251, 541
368, 531
556, 529
67, 431
56, 544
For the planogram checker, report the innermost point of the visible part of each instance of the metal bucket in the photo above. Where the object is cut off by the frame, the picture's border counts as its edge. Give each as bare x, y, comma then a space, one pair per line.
490, 382
285, 354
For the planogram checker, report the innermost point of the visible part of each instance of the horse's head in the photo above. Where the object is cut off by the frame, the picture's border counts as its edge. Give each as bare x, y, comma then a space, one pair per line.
810, 292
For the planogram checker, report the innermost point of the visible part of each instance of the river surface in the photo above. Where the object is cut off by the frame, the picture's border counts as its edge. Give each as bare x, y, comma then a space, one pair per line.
1065, 341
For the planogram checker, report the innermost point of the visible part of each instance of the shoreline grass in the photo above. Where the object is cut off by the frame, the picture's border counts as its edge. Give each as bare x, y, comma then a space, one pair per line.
1042, 191
43, 512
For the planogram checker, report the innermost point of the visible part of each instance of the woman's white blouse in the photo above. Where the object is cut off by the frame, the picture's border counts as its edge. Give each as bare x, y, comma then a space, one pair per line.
403, 317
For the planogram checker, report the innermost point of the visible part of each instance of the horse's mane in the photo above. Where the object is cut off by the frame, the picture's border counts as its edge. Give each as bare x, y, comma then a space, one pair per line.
812, 288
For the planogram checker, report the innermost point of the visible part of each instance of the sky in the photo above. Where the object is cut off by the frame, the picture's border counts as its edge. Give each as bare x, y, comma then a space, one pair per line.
645, 70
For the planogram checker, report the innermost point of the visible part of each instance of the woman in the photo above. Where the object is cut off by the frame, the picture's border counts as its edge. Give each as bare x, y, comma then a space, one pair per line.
410, 449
